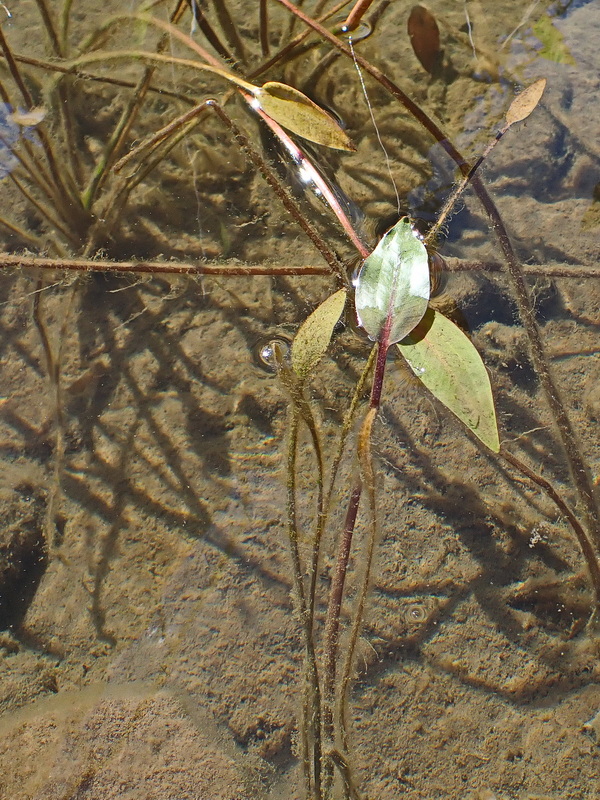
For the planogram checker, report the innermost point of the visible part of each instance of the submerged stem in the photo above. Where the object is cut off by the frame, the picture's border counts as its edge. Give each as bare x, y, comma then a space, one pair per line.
310, 731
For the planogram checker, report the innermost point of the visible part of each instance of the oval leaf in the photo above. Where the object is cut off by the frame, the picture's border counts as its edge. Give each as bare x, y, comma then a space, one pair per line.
446, 361
525, 102
294, 111
424, 37
314, 335
392, 288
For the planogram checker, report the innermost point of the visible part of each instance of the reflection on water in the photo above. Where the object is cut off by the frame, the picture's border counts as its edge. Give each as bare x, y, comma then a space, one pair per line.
150, 647
14, 124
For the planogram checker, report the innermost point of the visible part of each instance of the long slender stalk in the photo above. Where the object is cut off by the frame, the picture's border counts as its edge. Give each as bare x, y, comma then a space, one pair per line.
57, 44
310, 731
304, 163
586, 546
312, 696
389, 85
10, 261
293, 44
116, 140
110, 80
229, 29
209, 32
162, 134
263, 27
579, 471
368, 476
25, 236
332, 619
44, 211
340, 570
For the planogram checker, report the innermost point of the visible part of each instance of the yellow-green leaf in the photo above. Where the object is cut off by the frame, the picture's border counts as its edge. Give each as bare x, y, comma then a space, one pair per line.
553, 43
446, 361
298, 114
313, 337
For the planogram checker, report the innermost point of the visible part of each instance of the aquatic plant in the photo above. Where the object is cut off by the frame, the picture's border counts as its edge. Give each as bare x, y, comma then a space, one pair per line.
437, 352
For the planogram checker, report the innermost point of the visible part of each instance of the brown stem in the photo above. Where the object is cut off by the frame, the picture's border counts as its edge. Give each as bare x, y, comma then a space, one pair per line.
338, 581
391, 87
281, 54
164, 133
51, 66
359, 9
311, 729
336, 593
587, 548
263, 24
9, 261
579, 471
50, 29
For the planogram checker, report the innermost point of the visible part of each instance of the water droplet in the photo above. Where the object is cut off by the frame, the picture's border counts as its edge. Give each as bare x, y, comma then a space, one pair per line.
362, 30
264, 351
416, 613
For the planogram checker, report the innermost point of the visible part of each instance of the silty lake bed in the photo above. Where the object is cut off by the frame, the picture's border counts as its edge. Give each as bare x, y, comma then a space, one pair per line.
150, 648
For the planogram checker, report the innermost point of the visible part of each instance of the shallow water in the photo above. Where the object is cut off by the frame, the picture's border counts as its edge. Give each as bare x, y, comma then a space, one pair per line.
150, 648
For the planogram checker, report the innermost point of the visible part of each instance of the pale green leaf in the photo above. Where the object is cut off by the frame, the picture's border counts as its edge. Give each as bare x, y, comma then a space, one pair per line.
446, 361
314, 335
298, 114
392, 288
553, 43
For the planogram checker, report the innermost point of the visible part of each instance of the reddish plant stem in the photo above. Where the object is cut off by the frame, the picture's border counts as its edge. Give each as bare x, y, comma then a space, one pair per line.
304, 163
359, 9
338, 580
579, 472
332, 623
281, 191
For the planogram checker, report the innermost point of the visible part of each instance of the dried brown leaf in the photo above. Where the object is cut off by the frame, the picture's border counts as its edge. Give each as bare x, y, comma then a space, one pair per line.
525, 102
424, 37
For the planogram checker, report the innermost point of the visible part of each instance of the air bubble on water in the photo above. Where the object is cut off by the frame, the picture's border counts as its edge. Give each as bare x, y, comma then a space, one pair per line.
264, 351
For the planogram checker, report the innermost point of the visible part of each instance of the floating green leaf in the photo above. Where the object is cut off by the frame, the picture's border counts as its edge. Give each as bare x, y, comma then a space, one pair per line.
446, 361
553, 43
392, 288
298, 114
314, 335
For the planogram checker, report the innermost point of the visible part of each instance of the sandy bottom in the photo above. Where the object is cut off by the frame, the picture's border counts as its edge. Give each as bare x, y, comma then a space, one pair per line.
150, 647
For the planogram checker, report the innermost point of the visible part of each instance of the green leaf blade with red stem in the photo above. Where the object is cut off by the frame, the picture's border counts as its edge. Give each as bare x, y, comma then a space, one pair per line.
392, 287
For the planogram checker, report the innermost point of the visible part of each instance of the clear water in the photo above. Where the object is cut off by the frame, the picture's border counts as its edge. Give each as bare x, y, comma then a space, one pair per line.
149, 644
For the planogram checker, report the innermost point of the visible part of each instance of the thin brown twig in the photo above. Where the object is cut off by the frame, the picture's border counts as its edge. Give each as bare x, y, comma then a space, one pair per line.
10, 261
